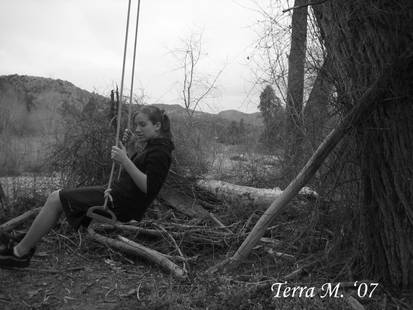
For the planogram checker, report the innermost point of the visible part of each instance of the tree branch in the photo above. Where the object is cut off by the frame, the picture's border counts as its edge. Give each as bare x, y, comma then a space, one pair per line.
14, 222
304, 5
131, 247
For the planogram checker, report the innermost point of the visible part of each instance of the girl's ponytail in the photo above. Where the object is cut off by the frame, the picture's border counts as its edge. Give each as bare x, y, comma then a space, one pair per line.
157, 115
165, 125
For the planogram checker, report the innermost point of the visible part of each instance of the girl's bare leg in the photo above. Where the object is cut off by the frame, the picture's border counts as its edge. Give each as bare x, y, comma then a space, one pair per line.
42, 224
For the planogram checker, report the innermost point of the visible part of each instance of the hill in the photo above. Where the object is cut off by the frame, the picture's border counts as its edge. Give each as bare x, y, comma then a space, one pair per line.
31, 118
235, 115
226, 115
30, 105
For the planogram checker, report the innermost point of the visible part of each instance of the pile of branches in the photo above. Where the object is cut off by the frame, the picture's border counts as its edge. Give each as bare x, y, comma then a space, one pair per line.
181, 238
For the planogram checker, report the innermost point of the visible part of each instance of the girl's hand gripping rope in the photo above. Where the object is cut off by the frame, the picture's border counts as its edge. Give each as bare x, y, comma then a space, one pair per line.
119, 154
130, 140
127, 134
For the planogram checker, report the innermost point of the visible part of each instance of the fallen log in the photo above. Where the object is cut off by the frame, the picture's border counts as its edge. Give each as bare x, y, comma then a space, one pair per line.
130, 228
130, 247
246, 196
156, 257
185, 269
14, 222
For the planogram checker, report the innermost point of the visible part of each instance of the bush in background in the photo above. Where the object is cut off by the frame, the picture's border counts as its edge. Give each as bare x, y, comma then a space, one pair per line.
82, 153
191, 149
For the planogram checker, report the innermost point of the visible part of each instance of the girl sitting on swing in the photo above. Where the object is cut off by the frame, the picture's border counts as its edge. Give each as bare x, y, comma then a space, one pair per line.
141, 179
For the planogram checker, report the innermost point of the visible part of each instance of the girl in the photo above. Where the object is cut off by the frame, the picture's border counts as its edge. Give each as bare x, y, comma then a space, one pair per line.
140, 181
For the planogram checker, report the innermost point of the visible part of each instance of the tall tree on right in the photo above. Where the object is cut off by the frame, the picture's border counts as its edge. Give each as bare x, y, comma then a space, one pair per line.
365, 41
294, 134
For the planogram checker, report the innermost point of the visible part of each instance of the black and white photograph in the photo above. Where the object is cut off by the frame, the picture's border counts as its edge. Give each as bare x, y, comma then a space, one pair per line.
194, 154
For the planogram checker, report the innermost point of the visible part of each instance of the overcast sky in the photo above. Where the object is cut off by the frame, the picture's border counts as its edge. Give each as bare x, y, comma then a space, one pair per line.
81, 41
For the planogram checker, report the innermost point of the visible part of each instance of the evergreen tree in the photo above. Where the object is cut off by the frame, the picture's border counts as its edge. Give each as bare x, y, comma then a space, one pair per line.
233, 133
241, 131
272, 113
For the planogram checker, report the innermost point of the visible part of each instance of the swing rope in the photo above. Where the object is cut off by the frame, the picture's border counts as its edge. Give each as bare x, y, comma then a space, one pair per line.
133, 64
133, 74
91, 211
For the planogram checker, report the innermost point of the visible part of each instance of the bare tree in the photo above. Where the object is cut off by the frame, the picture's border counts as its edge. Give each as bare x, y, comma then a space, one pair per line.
291, 58
196, 86
294, 136
316, 111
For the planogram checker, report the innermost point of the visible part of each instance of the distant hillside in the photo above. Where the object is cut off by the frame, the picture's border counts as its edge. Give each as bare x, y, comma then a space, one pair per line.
31, 119
228, 115
35, 101
249, 118
30, 105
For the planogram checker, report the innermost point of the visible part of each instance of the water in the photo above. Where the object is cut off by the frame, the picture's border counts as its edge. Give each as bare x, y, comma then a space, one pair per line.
30, 185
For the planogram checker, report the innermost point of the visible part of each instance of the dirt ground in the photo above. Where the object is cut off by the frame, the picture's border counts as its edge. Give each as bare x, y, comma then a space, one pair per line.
69, 272
72, 271
71, 279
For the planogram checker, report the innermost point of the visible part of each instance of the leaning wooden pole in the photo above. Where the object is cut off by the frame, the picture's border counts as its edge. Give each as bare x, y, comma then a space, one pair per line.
365, 104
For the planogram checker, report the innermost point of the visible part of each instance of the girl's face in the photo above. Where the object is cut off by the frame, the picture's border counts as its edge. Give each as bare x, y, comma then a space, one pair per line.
145, 129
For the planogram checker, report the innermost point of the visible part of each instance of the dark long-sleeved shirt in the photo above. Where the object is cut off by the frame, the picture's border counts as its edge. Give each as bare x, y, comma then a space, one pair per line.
155, 160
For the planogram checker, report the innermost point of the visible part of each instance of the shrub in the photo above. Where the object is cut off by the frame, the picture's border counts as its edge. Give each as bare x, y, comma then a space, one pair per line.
83, 152
191, 149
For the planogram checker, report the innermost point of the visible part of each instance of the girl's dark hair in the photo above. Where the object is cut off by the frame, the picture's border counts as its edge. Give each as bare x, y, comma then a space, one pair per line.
157, 115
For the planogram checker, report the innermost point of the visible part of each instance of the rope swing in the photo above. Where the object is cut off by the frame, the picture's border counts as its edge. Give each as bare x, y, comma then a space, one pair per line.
96, 212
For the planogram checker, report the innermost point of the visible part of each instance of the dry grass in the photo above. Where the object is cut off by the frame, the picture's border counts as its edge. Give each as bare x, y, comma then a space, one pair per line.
30, 184
71, 271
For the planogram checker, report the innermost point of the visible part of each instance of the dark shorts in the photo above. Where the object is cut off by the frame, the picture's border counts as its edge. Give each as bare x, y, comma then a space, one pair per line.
77, 201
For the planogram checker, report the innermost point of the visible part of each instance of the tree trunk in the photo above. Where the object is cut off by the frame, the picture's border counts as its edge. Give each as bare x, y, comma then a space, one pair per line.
316, 109
386, 145
362, 40
294, 124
